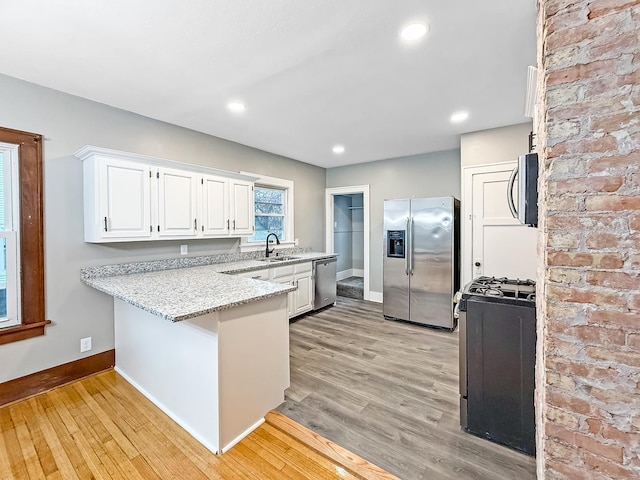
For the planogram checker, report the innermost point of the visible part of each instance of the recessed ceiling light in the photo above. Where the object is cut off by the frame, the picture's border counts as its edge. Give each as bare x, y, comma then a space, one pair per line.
338, 149
236, 107
414, 32
459, 117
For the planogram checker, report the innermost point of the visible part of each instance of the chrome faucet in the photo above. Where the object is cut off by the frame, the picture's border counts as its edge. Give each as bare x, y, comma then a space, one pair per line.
267, 251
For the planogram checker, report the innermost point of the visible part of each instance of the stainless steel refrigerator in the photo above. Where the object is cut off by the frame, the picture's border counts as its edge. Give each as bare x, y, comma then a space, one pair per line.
421, 265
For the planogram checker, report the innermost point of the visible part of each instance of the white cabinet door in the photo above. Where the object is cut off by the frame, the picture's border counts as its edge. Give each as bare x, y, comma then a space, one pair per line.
177, 214
303, 294
125, 200
242, 209
291, 296
215, 219
501, 246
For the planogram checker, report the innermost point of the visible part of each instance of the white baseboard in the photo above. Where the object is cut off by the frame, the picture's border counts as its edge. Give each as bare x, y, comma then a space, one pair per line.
375, 296
351, 272
228, 446
344, 274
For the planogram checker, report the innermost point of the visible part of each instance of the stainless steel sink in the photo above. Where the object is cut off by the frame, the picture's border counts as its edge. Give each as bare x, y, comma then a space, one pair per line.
278, 259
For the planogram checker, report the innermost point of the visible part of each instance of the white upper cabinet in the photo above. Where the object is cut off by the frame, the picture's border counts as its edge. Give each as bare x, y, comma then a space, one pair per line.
177, 203
130, 197
117, 201
242, 207
215, 220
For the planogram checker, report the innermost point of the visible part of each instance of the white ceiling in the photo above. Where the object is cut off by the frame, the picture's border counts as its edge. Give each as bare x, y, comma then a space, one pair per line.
313, 73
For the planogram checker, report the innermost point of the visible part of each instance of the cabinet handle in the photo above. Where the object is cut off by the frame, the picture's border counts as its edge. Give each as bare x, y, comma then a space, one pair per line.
234, 224
227, 224
195, 224
105, 224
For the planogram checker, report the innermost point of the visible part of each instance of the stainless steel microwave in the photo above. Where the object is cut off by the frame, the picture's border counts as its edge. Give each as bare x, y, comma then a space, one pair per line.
526, 173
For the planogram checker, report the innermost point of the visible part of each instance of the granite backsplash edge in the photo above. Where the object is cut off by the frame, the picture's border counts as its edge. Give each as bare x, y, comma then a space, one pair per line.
183, 262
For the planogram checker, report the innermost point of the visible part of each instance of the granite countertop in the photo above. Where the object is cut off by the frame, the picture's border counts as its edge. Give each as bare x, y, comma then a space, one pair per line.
249, 265
181, 293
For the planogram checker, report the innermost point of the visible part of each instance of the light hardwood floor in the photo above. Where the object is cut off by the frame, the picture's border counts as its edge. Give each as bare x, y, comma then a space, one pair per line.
102, 428
388, 391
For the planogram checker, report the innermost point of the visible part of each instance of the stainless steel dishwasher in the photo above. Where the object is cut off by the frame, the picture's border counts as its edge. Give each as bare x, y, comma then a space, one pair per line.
325, 280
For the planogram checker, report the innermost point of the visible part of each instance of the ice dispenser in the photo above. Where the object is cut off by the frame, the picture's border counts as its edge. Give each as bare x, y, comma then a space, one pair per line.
395, 243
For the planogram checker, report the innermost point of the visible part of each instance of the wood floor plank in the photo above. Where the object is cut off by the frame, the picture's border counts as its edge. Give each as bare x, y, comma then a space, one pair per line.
69, 444
34, 414
5, 464
55, 442
29, 453
16, 461
407, 377
143, 469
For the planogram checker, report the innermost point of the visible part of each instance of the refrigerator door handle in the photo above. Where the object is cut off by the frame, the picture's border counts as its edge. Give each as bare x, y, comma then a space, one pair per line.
406, 249
410, 247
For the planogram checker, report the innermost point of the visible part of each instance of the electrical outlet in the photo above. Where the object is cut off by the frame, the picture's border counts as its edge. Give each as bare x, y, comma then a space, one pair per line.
183, 249
85, 344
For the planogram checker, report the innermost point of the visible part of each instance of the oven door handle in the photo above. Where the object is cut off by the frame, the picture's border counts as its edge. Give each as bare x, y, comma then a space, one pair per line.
510, 201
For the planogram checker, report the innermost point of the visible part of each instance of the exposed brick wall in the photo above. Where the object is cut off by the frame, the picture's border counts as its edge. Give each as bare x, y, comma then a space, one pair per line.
588, 376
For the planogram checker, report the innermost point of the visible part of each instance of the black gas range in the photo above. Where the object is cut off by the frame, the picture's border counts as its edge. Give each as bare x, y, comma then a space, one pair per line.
497, 360
501, 289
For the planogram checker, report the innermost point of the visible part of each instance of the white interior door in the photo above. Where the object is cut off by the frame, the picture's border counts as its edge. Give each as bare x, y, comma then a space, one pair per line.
497, 244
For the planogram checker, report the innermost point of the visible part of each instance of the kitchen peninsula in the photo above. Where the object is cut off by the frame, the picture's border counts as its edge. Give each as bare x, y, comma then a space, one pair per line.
208, 348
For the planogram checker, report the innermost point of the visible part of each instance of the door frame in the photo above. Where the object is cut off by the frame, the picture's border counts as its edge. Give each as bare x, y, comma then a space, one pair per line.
329, 194
467, 211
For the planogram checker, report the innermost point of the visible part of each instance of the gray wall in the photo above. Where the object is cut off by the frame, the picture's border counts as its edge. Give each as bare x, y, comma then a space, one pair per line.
68, 123
357, 228
429, 175
342, 232
496, 145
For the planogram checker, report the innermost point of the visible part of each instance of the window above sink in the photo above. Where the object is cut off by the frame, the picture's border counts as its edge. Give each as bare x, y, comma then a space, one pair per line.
274, 213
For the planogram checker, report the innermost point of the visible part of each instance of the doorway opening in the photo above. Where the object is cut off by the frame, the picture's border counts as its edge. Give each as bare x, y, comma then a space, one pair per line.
347, 234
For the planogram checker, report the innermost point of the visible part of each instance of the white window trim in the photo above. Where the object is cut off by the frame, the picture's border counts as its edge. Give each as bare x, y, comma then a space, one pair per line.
289, 240
11, 234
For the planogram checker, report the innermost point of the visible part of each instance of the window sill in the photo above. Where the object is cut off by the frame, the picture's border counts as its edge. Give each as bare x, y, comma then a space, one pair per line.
22, 332
256, 246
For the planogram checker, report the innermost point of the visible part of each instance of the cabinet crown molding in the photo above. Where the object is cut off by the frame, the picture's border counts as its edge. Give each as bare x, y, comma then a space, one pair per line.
89, 151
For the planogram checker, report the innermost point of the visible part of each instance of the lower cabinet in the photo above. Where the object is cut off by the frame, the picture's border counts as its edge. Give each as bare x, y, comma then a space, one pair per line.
304, 288
299, 275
